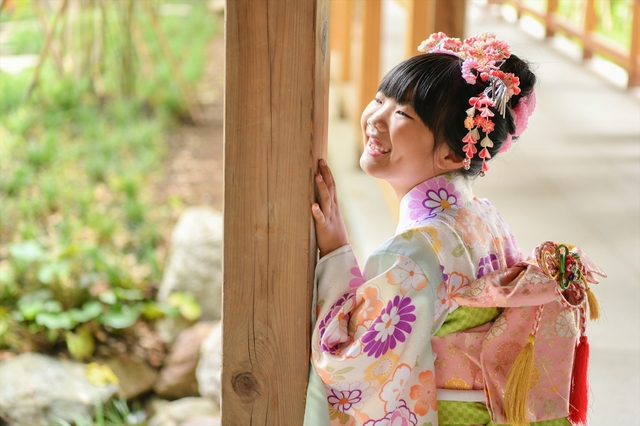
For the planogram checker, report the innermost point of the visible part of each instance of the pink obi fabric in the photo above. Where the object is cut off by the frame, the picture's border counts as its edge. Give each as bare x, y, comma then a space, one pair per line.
482, 357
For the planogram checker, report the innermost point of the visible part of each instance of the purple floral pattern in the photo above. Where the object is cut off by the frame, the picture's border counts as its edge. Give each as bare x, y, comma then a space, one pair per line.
332, 329
401, 416
487, 264
432, 197
445, 277
512, 251
357, 279
390, 327
343, 400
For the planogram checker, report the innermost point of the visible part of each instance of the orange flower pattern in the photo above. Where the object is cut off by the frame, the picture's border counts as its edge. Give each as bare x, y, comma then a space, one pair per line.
425, 393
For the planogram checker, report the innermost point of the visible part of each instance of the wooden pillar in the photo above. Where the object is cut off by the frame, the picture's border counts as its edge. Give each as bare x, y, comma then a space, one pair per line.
420, 14
549, 24
341, 17
518, 4
589, 28
450, 17
370, 59
634, 50
276, 103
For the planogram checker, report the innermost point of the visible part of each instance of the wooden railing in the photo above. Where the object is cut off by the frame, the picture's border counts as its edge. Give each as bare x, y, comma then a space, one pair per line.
592, 43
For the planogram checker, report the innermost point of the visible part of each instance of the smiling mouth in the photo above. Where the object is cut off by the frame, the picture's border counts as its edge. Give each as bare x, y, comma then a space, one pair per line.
375, 148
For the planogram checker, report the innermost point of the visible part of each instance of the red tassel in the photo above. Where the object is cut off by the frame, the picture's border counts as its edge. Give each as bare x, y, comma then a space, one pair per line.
579, 399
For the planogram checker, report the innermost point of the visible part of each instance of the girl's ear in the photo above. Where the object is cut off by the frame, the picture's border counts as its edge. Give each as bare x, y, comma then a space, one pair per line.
447, 160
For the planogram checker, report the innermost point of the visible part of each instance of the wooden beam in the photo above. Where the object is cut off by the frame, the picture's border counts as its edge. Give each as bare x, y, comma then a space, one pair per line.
370, 59
589, 28
634, 48
341, 17
276, 103
552, 8
450, 17
420, 20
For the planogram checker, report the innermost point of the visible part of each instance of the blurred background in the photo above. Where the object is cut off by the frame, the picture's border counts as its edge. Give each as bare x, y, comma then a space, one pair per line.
110, 132
111, 186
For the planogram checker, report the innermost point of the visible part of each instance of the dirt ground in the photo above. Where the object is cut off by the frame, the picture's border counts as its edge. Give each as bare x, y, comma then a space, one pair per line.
194, 163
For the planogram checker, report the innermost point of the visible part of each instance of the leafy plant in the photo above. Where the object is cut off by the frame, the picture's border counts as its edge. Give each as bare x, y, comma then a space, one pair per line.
116, 412
81, 235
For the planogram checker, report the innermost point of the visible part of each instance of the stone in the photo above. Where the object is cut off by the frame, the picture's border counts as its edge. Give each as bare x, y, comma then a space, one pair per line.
178, 375
181, 411
194, 266
203, 421
39, 390
210, 364
136, 377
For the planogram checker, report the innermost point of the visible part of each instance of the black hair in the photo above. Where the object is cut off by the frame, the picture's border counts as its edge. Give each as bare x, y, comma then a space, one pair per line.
432, 84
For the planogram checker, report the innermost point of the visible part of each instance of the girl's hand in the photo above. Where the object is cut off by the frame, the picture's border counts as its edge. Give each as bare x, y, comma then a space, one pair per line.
330, 230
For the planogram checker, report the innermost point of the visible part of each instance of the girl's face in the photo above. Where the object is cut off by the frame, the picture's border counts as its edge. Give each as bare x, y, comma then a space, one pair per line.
398, 146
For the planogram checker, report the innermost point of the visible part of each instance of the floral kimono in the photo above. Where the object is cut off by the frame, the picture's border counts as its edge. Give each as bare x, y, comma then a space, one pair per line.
371, 344
430, 330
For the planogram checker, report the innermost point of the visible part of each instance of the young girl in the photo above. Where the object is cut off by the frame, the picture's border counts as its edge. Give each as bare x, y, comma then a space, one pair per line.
398, 343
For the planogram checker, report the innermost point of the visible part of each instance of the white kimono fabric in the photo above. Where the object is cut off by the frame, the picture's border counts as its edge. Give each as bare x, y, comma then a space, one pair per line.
371, 344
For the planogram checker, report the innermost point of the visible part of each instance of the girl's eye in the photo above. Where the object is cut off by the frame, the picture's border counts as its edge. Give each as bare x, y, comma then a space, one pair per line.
403, 113
376, 100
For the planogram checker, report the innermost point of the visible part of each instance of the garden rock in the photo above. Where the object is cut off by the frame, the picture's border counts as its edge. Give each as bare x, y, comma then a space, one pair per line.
210, 364
135, 377
195, 265
38, 390
203, 421
178, 376
181, 411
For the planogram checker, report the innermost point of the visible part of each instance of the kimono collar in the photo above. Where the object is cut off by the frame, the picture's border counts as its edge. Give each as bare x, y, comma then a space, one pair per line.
433, 197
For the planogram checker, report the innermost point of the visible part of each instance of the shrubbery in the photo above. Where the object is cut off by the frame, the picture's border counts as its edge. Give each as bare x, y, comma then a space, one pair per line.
81, 237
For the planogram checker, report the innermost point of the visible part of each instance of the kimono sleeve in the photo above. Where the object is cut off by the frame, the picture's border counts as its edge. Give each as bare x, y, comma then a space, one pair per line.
371, 344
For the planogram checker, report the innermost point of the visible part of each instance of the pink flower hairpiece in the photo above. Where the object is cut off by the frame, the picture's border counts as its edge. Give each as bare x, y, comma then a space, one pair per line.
482, 57
521, 113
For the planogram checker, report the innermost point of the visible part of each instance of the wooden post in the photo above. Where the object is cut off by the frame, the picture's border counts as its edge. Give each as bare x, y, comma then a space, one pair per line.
450, 17
634, 50
276, 109
370, 59
549, 25
341, 17
518, 5
420, 14
589, 28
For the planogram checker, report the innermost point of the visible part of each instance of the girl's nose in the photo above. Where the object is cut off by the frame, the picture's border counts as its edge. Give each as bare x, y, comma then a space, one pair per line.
377, 121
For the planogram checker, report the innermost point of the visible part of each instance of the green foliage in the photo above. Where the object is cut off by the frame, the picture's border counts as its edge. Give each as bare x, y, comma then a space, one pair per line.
114, 413
81, 236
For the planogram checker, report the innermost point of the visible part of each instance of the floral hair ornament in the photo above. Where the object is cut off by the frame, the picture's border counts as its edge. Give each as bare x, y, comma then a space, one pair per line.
521, 113
482, 57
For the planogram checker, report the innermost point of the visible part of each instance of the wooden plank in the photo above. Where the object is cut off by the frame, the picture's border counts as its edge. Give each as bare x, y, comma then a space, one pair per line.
589, 28
420, 17
450, 17
370, 59
341, 17
634, 51
552, 8
276, 102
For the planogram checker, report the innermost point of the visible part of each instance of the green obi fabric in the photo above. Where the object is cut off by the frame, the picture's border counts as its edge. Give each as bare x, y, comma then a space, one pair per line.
453, 413
466, 317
